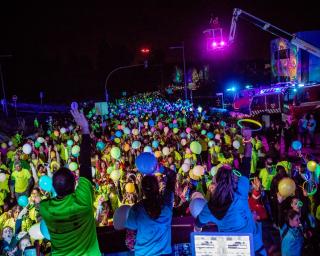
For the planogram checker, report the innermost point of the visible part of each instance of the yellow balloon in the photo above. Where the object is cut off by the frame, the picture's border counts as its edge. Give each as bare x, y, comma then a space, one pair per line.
130, 187
126, 147
157, 154
311, 165
286, 187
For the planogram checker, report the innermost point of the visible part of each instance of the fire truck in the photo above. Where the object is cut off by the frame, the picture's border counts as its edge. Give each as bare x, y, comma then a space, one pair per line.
294, 62
291, 102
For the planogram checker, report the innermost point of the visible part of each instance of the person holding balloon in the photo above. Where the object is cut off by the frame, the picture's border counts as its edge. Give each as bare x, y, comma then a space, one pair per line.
151, 218
228, 207
69, 217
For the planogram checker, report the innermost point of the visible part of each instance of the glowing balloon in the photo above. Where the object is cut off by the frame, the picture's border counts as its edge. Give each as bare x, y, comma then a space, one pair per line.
115, 152
118, 134
166, 129
100, 145
296, 145
214, 170
45, 183
40, 139
217, 136
203, 132
126, 147
147, 149
63, 130
236, 144
223, 123
37, 144
120, 217
286, 187
44, 229
70, 143
311, 165
115, 175
188, 130
185, 167
146, 163
210, 135
75, 150
136, 144
195, 147
183, 142
187, 161
56, 133
175, 130
73, 166
198, 170
196, 206
211, 143
157, 154
3, 145
155, 144
23, 201
165, 151
130, 187
135, 132
126, 130
35, 232
2, 177
27, 149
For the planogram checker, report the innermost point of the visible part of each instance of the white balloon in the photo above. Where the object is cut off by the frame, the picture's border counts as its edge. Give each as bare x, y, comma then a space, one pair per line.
183, 142
236, 144
2, 177
147, 149
27, 148
196, 206
166, 151
187, 161
35, 232
185, 167
120, 217
10, 143
40, 139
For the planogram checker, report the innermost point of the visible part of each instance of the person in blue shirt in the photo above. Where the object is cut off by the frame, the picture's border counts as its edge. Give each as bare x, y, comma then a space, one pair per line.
228, 207
291, 235
150, 219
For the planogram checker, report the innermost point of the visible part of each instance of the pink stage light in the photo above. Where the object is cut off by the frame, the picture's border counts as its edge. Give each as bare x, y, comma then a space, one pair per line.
214, 44
222, 43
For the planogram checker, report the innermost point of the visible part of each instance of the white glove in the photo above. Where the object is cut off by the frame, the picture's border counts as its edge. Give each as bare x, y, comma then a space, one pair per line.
23, 212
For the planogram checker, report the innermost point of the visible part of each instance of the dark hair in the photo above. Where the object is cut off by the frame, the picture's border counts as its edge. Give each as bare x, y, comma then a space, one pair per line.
63, 182
291, 214
152, 202
222, 197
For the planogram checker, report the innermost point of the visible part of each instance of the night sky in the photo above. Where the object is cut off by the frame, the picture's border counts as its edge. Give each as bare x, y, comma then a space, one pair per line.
67, 49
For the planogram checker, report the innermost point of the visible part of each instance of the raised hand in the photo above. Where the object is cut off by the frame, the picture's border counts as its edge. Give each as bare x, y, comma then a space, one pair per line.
80, 120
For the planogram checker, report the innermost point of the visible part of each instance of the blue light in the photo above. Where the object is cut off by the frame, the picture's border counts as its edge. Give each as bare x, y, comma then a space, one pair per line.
232, 89
295, 90
199, 109
300, 85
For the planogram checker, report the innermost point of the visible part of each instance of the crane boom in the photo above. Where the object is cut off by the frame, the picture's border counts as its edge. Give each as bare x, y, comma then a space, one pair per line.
238, 13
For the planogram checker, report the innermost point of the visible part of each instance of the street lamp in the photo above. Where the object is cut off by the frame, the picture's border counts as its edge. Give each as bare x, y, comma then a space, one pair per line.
184, 67
116, 69
4, 101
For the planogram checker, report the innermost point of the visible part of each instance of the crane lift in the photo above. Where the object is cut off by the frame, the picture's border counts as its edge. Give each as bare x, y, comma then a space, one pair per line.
292, 38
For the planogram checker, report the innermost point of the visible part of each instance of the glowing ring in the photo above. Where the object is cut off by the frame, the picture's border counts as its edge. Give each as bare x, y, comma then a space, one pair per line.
314, 191
237, 173
239, 123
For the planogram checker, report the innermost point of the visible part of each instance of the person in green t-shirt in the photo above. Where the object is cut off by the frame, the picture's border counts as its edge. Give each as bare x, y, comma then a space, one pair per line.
69, 217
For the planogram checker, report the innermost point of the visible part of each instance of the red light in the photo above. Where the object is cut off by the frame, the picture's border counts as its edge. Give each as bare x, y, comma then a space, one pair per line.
145, 50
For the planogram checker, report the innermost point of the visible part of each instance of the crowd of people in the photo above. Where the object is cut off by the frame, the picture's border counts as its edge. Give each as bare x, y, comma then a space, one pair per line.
199, 154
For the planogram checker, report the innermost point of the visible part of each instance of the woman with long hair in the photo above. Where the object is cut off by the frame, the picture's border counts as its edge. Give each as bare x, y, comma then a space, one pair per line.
150, 219
228, 207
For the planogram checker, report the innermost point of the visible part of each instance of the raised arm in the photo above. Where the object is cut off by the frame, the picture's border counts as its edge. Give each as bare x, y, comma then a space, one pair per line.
85, 159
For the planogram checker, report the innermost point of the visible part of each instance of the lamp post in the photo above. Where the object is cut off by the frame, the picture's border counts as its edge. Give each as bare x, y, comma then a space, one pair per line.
4, 101
184, 68
115, 70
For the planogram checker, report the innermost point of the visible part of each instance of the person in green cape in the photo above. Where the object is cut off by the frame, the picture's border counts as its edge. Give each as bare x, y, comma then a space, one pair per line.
69, 217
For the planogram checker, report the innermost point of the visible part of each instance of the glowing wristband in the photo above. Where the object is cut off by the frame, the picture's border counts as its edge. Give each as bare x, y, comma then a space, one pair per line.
314, 190
237, 173
239, 123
